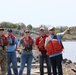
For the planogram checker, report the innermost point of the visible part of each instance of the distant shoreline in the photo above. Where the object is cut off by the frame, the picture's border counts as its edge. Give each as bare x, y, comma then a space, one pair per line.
68, 40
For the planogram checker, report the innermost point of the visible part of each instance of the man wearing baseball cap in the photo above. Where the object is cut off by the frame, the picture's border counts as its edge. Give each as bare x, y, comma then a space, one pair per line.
11, 53
40, 41
54, 49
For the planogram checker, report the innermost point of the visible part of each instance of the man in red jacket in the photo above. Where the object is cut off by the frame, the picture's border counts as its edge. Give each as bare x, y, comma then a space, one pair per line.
40, 40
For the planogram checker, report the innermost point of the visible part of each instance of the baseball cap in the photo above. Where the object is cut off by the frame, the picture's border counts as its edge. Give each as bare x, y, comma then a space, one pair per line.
51, 27
42, 28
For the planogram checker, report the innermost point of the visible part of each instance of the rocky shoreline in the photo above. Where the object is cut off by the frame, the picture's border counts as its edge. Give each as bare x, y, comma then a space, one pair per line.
69, 68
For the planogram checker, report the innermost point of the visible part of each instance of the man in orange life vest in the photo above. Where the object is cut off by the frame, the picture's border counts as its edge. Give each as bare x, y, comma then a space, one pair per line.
11, 53
40, 41
54, 49
3, 48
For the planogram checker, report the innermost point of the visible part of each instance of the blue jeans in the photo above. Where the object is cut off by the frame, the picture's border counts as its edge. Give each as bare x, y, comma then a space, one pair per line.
11, 58
26, 58
56, 63
47, 60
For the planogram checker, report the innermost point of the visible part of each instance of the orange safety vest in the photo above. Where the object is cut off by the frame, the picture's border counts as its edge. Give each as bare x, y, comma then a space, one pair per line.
3, 39
53, 46
29, 40
42, 42
28, 43
13, 38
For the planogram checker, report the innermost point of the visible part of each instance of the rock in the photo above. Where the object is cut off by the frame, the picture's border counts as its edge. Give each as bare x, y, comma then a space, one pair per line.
74, 70
66, 61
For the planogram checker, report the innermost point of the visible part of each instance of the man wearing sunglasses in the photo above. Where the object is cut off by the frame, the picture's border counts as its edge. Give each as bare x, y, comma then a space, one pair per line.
40, 41
11, 53
3, 48
54, 49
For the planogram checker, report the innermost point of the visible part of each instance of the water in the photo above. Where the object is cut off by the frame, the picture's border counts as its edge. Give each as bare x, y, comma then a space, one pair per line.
69, 51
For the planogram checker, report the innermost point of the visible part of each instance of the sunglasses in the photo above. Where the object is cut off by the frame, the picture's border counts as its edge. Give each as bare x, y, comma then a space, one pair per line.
51, 29
27, 32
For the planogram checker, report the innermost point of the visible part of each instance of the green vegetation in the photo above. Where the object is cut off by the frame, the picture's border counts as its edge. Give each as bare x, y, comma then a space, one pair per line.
12, 25
21, 26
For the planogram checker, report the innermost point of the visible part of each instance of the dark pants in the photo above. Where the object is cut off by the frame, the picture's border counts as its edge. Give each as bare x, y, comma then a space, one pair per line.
47, 60
56, 63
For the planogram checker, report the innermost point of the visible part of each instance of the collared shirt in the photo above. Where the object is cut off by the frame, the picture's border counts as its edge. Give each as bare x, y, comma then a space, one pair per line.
11, 48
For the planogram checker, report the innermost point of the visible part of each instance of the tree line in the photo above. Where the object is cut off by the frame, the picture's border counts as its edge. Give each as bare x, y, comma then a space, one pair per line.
20, 26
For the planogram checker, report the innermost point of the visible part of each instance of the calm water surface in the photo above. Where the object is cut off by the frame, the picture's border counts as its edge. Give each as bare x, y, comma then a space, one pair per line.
70, 51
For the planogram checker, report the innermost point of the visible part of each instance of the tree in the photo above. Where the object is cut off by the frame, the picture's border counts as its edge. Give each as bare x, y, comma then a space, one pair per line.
18, 27
22, 25
29, 26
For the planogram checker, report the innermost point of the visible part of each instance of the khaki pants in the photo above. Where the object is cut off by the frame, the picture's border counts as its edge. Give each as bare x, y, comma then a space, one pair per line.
3, 62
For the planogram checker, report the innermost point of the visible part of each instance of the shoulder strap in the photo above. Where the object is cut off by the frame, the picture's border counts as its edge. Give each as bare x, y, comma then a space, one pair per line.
13, 38
55, 37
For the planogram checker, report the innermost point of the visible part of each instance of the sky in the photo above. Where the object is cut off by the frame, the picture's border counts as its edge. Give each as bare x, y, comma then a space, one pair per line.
39, 12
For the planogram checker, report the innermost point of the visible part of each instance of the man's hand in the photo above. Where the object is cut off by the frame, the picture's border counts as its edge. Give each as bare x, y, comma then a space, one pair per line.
69, 28
66, 31
48, 39
40, 54
47, 54
5, 47
1, 48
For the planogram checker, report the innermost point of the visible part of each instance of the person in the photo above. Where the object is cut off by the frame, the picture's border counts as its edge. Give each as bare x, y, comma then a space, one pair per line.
3, 47
26, 44
11, 53
42, 52
54, 49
